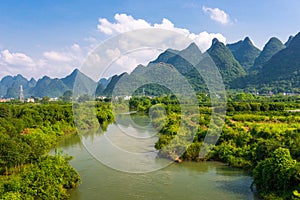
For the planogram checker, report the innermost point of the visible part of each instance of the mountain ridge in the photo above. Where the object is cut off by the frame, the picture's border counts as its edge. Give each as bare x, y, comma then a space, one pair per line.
273, 46
275, 68
244, 52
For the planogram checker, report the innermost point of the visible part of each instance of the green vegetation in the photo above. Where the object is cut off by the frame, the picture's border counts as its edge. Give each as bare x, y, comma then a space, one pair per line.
49, 177
279, 74
244, 52
229, 67
90, 114
259, 135
278, 173
272, 47
27, 133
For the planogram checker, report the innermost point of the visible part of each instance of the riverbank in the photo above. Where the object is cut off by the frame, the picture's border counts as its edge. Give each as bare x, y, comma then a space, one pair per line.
256, 132
176, 181
28, 132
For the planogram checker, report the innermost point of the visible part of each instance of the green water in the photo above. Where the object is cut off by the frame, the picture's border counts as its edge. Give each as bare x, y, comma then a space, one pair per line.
187, 180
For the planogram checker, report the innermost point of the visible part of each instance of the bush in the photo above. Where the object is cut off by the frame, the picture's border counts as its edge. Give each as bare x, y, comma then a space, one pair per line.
274, 175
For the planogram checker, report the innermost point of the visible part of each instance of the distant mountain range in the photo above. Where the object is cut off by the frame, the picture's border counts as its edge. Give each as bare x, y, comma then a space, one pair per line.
242, 66
46, 86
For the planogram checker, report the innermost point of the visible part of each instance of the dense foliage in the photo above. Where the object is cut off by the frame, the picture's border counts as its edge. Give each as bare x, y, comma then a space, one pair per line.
49, 177
27, 133
278, 173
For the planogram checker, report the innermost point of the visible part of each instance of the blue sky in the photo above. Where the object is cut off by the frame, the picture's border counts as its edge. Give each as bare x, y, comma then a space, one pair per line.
53, 37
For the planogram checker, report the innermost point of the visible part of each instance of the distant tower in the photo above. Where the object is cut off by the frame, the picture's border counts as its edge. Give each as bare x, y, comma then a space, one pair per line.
143, 94
21, 93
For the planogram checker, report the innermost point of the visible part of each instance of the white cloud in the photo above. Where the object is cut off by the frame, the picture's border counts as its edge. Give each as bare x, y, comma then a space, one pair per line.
68, 54
113, 53
53, 63
76, 47
16, 59
129, 49
204, 39
217, 15
90, 40
60, 62
128, 62
57, 56
168, 25
124, 23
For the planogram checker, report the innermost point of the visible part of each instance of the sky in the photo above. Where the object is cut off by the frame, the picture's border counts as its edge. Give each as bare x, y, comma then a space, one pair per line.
53, 38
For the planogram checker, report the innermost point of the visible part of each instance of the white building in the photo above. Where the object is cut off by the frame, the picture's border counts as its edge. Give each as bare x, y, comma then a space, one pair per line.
30, 100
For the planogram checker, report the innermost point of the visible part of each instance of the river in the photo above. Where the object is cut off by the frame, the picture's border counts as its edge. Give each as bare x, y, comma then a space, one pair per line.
187, 180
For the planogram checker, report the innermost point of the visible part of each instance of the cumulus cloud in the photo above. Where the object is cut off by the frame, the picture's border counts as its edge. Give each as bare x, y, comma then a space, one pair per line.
60, 62
17, 59
53, 63
129, 48
57, 56
124, 23
20, 63
128, 62
217, 15
68, 54
204, 39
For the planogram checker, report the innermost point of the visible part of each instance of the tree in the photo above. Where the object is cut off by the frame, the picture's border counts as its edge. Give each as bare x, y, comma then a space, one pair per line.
4, 111
45, 99
274, 174
67, 96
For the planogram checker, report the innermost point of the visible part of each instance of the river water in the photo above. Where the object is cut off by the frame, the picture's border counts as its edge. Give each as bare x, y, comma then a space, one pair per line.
187, 180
